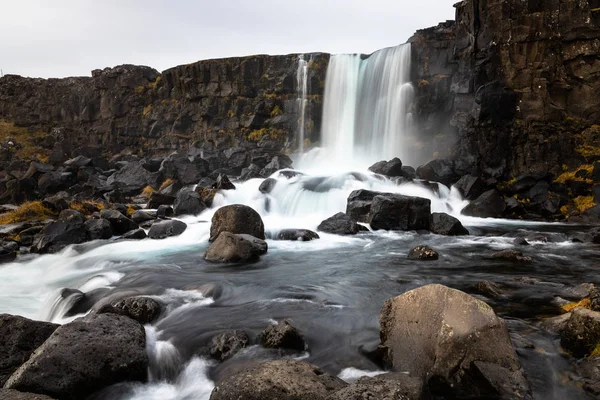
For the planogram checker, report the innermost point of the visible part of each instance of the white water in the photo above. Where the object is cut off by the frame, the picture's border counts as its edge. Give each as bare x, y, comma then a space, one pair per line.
366, 112
302, 84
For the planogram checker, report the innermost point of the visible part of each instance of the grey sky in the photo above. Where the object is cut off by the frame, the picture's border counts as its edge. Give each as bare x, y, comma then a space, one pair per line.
57, 38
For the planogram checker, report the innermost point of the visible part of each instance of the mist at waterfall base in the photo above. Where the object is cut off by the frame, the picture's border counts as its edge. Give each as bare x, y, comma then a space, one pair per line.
331, 289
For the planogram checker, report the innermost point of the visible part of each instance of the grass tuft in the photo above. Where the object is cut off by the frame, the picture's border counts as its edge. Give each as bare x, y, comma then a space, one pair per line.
29, 211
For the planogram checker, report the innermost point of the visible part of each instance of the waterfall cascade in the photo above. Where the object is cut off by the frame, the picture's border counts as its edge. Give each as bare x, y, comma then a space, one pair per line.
366, 115
302, 84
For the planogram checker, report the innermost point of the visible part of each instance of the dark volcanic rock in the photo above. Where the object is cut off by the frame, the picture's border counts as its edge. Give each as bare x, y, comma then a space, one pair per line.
281, 380
422, 253
581, 333
340, 224
237, 218
267, 185
136, 234
589, 370
158, 199
487, 288
453, 341
303, 235
438, 171
398, 212
120, 223
224, 345
390, 168
282, 336
8, 251
142, 309
140, 216
229, 247
98, 229
165, 229
132, 178
188, 203
444, 224
390, 386
276, 164
470, 187
359, 203
512, 255
84, 356
164, 212
68, 229
19, 337
223, 183
489, 204
9, 394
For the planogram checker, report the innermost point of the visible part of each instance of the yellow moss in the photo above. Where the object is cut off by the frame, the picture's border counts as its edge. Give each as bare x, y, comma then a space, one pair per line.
231, 113
588, 150
276, 112
270, 96
570, 175
139, 89
583, 203
147, 110
26, 143
32, 210
166, 183
585, 303
423, 82
596, 351
148, 190
87, 207
131, 210
154, 84
258, 134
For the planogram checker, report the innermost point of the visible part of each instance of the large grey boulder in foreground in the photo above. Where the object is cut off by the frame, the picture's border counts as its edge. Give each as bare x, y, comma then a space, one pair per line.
235, 248
278, 380
452, 341
84, 356
237, 218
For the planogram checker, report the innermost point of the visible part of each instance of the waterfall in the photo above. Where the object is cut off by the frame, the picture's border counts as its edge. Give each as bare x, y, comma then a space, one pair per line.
366, 115
302, 85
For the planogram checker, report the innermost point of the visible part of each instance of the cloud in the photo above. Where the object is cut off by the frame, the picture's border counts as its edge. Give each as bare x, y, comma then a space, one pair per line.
72, 37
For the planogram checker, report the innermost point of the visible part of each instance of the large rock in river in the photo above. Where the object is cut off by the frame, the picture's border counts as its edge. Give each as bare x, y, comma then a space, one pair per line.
230, 247
68, 229
490, 204
85, 356
9, 394
119, 223
165, 229
188, 203
237, 218
581, 333
19, 337
278, 380
398, 212
340, 224
453, 341
359, 204
444, 224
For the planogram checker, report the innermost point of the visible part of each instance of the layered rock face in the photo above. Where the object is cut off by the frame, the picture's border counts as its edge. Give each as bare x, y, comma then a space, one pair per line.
513, 84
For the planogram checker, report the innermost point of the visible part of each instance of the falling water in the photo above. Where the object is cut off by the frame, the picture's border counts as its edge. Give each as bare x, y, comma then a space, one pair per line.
302, 82
366, 114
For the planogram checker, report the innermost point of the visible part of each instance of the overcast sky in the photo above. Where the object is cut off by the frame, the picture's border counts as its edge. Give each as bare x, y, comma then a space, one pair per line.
57, 38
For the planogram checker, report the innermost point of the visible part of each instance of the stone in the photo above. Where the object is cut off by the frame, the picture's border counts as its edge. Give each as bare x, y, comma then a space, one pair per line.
84, 356
281, 380
165, 229
589, 370
392, 168
237, 219
489, 205
520, 241
98, 229
158, 199
140, 216
119, 223
389, 386
19, 337
136, 234
359, 203
225, 345
422, 253
512, 256
581, 333
164, 212
438, 171
132, 178
452, 341
276, 164
188, 203
250, 172
398, 212
57, 203
267, 185
302, 235
595, 298
282, 336
488, 289
9, 394
340, 224
8, 251
207, 195
470, 187
223, 183
142, 309
184, 169
555, 324
68, 229
54, 182
235, 248
444, 224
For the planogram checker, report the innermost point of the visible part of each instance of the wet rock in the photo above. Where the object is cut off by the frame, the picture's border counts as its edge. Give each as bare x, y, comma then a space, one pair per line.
276, 164
158, 199
98, 229
470, 187
595, 298
84, 356
520, 242
229, 247
54, 182
236, 219
57, 203
267, 185
165, 229
207, 195
27, 236
68, 229
142, 309
422, 253
390, 386
453, 341
512, 256
9, 394
250, 172
488, 289
120, 223
589, 370
140, 216
136, 234
489, 205
581, 334
188, 203
444, 224
340, 224
555, 324
187, 170
223, 183
390, 168
281, 379
438, 171
398, 212
19, 337
303, 235
164, 212
8, 251
224, 345
132, 178
282, 336
359, 203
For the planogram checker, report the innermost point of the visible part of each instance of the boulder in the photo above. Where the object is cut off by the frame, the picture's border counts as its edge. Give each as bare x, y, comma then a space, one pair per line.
8, 251
136, 234
158, 199
489, 205
581, 334
452, 341
19, 337
250, 172
84, 356
281, 380
164, 212
444, 224
98, 229
589, 370
595, 298
520, 241
422, 253
54, 182
398, 212
142, 309
237, 218
438, 171
512, 256
390, 386
229, 247
184, 169
487, 288
207, 195
303, 235
188, 203
223, 183
556, 324
57, 203
340, 224
165, 229
140, 216
359, 203
9, 394
68, 229
470, 187
276, 164
390, 168
224, 345
282, 336
132, 178
267, 185
119, 223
